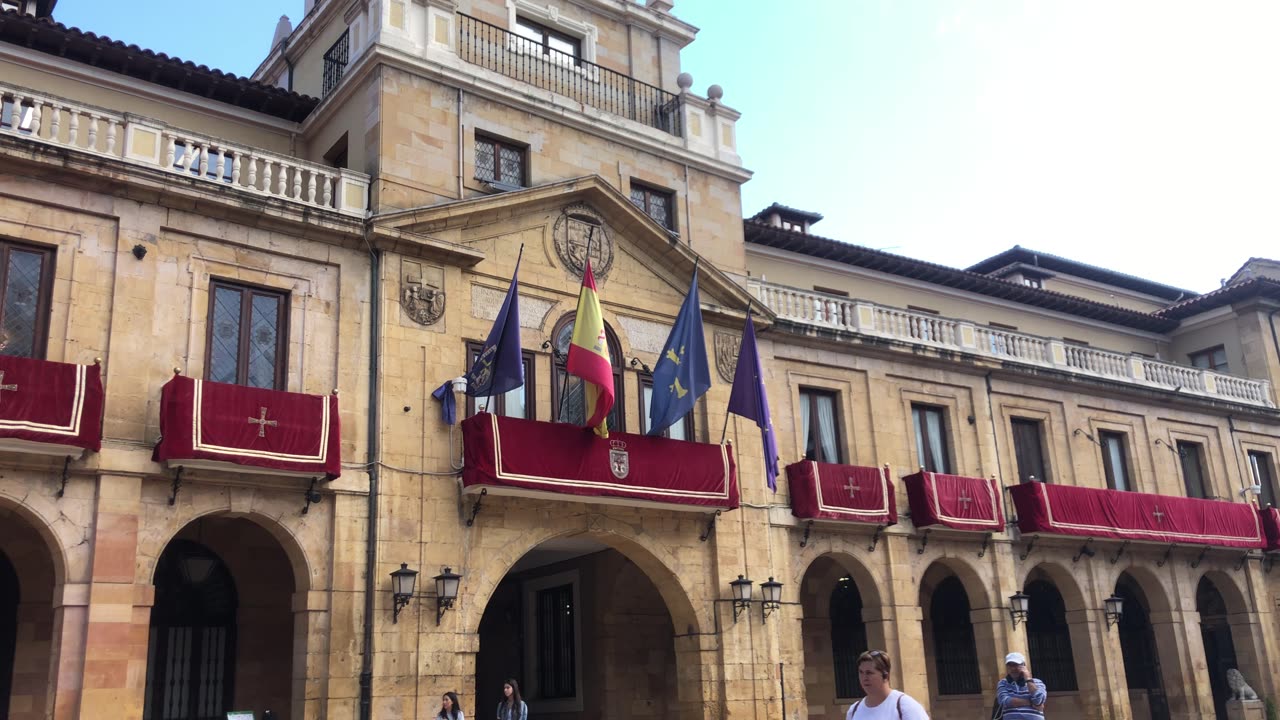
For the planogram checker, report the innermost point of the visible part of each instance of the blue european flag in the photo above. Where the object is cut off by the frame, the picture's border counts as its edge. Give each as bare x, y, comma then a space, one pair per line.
499, 367
681, 375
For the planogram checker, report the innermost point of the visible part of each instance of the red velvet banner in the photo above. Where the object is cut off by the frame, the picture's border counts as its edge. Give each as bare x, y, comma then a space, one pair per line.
525, 457
823, 491
1098, 513
50, 407
954, 501
1271, 527
216, 425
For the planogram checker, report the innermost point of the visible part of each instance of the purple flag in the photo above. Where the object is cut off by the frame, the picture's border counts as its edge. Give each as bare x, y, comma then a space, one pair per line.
748, 398
499, 366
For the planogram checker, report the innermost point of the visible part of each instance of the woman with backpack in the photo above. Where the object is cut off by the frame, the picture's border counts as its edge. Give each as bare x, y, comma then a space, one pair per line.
882, 702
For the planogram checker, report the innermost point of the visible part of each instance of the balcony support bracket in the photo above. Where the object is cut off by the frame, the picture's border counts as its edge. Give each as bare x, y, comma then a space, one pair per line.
1244, 557
808, 527
177, 485
711, 527
475, 508
1084, 550
1030, 546
986, 540
66, 465
875, 539
1200, 558
1116, 558
1167, 553
924, 542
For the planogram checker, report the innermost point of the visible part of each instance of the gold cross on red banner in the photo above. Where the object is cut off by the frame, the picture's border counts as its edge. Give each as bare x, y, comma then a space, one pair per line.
261, 421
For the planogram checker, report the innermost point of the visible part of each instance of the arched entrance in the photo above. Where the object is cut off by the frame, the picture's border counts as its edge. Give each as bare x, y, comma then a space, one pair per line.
1049, 636
27, 579
1219, 650
951, 640
221, 635
1142, 670
834, 594
587, 634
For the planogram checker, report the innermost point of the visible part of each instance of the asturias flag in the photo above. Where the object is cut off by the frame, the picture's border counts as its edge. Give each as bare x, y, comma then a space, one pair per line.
499, 366
589, 356
681, 375
748, 399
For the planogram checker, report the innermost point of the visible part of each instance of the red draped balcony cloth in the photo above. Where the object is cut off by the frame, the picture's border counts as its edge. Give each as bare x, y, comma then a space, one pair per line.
216, 426
511, 456
849, 493
1271, 528
50, 408
955, 502
1120, 515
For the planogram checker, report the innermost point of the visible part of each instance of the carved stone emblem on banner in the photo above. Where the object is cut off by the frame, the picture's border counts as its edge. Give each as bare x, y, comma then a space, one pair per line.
422, 297
726, 349
577, 227
619, 461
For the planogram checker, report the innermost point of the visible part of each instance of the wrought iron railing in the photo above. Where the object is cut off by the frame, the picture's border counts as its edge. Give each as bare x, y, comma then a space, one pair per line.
335, 62
521, 58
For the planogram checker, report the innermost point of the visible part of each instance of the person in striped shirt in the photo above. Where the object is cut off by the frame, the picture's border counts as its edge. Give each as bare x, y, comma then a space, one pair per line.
1019, 695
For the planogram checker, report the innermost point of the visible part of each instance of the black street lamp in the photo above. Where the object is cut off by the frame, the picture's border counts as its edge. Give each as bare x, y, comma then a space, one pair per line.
446, 591
1114, 610
1019, 607
402, 582
770, 597
741, 595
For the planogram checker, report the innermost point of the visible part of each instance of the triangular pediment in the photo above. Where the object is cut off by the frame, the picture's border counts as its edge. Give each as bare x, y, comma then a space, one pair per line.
638, 263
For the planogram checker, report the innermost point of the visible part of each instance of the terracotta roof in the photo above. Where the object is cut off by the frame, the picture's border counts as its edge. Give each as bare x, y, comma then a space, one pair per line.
1055, 263
1244, 290
758, 233
48, 36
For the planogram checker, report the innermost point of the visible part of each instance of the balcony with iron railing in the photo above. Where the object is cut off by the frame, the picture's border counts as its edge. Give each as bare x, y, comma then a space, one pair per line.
823, 310
59, 122
567, 74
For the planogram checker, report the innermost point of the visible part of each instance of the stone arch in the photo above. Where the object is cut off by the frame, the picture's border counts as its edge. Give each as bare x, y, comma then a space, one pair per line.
35, 567
1057, 628
841, 618
285, 536
1149, 646
951, 636
974, 585
654, 560
1063, 579
1228, 586
1156, 593
861, 574
56, 533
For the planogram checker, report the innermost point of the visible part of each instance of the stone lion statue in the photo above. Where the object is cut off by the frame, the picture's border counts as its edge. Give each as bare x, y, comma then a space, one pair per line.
1240, 689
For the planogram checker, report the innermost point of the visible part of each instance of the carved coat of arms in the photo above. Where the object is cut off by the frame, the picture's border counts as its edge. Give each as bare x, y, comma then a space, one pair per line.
580, 230
619, 461
423, 303
726, 350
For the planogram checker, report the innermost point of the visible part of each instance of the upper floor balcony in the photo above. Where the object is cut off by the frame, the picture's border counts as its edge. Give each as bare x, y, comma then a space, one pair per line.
864, 318
550, 61
60, 122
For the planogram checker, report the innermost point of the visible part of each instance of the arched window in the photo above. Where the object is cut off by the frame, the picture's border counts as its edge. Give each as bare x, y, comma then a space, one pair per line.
1049, 637
954, 651
1219, 649
191, 658
1137, 641
848, 637
567, 401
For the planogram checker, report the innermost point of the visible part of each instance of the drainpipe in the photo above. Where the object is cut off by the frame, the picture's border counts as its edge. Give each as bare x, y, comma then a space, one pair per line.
371, 534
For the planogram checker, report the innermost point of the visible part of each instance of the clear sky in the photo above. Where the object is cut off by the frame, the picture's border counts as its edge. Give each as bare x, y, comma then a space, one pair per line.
1141, 135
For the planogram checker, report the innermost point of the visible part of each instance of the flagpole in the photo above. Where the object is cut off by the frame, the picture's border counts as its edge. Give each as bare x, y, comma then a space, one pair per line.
564, 384
497, 349
724, 432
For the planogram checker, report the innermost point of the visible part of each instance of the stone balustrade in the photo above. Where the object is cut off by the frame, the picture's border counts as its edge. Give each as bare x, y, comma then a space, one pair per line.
865, 318
64, 123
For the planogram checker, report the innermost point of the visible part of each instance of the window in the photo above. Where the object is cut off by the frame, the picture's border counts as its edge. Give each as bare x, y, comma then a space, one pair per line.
794, 226
1049, 636
681, 430
540, 39
848, 637
248, 329
657, 204
337, 155
567, 401
819, 425
513, 403
954, 649
1214, 358
500, 162
1190, 456
1028, 449
1260, 469
26, 285
1033, 282
335, 63
1114, 464
25, 121
557, 676
931, 438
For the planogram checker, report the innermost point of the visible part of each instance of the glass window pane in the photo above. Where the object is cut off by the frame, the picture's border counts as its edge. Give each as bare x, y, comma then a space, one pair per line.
1113, 449
514, 403
637, 197
527, 30
573, 404
677, 430
224, 338
512, 165
264, 337
485, 163
646, 400
566, 46
21, 303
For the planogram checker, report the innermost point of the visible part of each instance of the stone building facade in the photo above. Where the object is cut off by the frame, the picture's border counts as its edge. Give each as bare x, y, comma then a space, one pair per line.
348, 221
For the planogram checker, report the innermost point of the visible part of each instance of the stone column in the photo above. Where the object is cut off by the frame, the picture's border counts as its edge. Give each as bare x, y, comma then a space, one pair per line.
1099, 666
119, 612
700, 677
1182, 664
70, 617
310, 651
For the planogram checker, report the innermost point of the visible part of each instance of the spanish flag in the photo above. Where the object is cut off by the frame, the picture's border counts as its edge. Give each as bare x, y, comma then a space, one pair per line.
589, 356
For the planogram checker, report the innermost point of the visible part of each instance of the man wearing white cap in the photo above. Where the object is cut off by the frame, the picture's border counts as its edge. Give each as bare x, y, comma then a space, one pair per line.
1019, 695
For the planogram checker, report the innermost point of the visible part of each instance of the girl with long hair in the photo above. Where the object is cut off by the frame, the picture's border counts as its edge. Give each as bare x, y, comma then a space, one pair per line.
511, 707
450, 708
